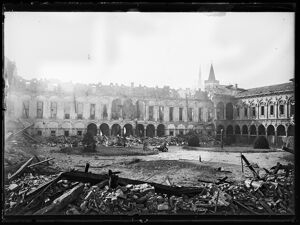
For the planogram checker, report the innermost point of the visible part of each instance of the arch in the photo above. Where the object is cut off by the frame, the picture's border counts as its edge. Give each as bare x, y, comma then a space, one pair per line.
116, 109
270, 130
116, 130
190, 127
219, 129
150, 130
160, 130
140, 130
39, 125
261, 130
245, 130
104, 128
237, 129
252, 130
220, 111
92, 129
281, 130
229, 111
181, 126
291, 130
229, 130
128, 109
128, 130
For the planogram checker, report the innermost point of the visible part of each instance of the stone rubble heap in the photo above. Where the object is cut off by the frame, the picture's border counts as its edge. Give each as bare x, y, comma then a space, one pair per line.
272, 193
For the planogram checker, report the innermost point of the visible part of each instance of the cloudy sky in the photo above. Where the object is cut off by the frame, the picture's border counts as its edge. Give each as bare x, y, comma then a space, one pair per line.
152, 49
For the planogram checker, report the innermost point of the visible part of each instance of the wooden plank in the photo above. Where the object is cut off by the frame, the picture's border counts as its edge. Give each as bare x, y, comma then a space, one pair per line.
245, 207
19, 131
42, 188
160, 188
20, 170
27, 135
250, 167
62, 201
41, 162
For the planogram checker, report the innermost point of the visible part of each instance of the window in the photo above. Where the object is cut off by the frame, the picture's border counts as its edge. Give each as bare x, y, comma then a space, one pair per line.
281, 109
53, 109
272, 110
79, 132
104, 114
245, 112
171, 113
171, 133
151, 110
238, 112
39, 113
66, 133
253, 111
262, 110
39, 133
190, 114
200, 114
53, 132
67, 109
92, 111
180, 114
161, 113
181, 132
292, 112
210, 115
79, 110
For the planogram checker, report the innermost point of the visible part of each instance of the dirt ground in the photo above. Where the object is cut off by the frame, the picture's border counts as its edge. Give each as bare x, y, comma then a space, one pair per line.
181, 166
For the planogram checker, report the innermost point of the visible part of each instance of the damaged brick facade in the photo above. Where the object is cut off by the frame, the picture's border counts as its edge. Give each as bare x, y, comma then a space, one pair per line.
57, 108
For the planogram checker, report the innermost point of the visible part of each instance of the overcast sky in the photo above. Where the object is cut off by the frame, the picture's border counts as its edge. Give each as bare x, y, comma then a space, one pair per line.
152, 49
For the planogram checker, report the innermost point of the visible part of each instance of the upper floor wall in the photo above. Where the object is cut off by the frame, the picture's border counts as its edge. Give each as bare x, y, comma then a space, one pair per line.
108, 108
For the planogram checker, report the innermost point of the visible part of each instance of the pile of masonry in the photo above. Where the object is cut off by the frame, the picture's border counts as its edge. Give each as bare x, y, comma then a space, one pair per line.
78, 192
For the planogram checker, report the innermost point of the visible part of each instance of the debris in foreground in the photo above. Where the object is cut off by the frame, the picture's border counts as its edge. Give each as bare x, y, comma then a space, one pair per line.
77, 192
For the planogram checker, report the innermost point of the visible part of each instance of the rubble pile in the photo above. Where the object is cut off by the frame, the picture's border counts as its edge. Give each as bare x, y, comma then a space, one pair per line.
272, 192
64, 142
15, 191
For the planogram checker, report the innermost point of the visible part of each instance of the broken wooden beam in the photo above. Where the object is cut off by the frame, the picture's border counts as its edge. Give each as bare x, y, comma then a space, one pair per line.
160, 188
245, 207
250, 167
27, 135
62, 201
42, 188
41, 162
20, 170
19, 131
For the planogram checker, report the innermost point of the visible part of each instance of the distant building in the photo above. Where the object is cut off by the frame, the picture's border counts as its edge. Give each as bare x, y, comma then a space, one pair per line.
72, 109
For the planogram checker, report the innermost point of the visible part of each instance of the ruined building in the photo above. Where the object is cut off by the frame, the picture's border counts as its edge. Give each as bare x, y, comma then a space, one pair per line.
50, 107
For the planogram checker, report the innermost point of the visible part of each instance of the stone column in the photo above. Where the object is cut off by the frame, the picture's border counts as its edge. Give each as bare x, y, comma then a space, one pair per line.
275, 137
155, 132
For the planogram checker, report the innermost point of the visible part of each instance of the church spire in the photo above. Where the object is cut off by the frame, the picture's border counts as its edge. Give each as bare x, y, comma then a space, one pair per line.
211, 74
200, 85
